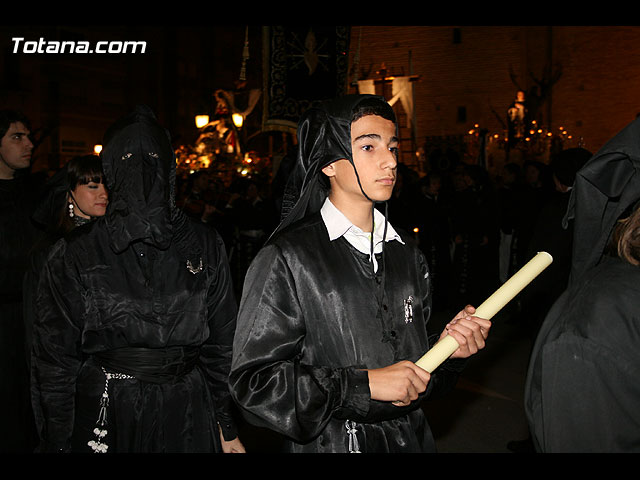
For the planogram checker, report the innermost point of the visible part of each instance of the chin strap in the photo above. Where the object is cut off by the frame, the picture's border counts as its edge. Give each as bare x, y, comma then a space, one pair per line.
373, 221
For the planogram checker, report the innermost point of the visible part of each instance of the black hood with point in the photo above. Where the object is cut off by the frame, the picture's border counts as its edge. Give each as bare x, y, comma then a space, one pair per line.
604, 189
140, 171
139, 167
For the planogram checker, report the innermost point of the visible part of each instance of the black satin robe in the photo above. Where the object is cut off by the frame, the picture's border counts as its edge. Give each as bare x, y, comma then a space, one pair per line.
310, 320
582, 392
92, 300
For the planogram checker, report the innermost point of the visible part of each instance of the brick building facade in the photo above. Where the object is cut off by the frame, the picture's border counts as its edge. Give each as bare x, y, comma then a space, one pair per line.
469, 75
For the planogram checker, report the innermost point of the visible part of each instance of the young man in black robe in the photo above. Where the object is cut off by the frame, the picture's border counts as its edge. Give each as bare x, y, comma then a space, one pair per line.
333, 318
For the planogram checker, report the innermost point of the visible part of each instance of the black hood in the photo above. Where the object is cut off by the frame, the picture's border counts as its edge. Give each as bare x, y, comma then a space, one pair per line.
139, 168
324, 136
140, 171
604, 189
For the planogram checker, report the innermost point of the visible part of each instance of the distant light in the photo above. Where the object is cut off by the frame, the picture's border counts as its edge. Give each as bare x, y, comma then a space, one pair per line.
238, 120
201, 120
97, 149
205, 161
416, 230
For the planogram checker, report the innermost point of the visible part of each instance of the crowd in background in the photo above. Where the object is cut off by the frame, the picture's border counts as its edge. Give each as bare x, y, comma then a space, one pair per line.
475, 229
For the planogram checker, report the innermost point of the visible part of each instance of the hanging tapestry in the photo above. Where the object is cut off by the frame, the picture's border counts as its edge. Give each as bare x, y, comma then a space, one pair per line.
303, 65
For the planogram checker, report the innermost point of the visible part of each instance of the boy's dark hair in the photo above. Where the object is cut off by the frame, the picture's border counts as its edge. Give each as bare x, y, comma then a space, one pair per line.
7, 117
373, 106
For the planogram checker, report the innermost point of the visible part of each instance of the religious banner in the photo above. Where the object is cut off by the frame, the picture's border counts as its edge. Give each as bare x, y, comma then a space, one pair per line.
303, 65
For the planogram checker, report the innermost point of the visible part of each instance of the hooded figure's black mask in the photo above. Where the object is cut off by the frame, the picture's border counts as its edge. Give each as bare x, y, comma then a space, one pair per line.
140, 170
139, 167
605, 188
324, 136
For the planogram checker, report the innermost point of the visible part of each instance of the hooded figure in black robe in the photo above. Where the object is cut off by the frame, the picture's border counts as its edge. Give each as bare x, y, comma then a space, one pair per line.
582, 392
135, 316
314, 314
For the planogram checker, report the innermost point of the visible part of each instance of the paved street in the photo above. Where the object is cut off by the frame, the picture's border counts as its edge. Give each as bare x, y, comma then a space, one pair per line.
485, 411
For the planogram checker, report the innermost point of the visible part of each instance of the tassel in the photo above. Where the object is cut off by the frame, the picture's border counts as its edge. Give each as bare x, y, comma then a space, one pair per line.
98, 445
354, 446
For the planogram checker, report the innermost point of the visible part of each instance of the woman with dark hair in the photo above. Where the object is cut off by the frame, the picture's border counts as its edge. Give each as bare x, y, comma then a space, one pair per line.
87, 196
74, 196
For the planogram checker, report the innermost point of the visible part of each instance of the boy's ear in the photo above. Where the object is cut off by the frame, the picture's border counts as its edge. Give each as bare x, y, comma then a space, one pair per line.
329, 171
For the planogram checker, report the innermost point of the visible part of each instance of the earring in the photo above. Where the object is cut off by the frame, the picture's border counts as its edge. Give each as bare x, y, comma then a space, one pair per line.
71, 209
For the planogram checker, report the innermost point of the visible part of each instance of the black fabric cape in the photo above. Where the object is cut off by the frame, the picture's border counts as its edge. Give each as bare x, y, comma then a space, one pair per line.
123, 281
581, 392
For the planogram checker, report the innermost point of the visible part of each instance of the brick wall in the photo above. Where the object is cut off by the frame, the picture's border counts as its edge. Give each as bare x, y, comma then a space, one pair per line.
469, 75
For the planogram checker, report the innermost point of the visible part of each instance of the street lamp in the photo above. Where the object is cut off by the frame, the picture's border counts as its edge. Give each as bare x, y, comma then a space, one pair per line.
238, 120
201, 120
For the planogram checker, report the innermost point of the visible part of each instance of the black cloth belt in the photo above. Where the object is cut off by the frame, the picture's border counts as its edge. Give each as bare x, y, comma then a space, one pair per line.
154, 365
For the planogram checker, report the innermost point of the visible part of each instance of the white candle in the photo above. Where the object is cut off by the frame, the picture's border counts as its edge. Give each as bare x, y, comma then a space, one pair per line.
492, 305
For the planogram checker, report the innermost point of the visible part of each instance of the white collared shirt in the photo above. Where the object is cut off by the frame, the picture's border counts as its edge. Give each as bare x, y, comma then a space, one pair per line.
338, 225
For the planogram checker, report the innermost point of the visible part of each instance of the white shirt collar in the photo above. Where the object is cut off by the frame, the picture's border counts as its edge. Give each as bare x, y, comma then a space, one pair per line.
338, 225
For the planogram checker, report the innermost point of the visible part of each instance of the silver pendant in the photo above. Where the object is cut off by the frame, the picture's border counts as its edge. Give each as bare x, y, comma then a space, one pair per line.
408, 309
354, 446
193, 269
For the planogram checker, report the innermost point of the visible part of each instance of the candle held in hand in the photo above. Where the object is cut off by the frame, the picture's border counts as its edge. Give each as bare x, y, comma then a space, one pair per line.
492, 305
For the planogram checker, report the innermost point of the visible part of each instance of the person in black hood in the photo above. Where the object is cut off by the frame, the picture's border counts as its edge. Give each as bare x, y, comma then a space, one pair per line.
581, 391
334, 308
135, 317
